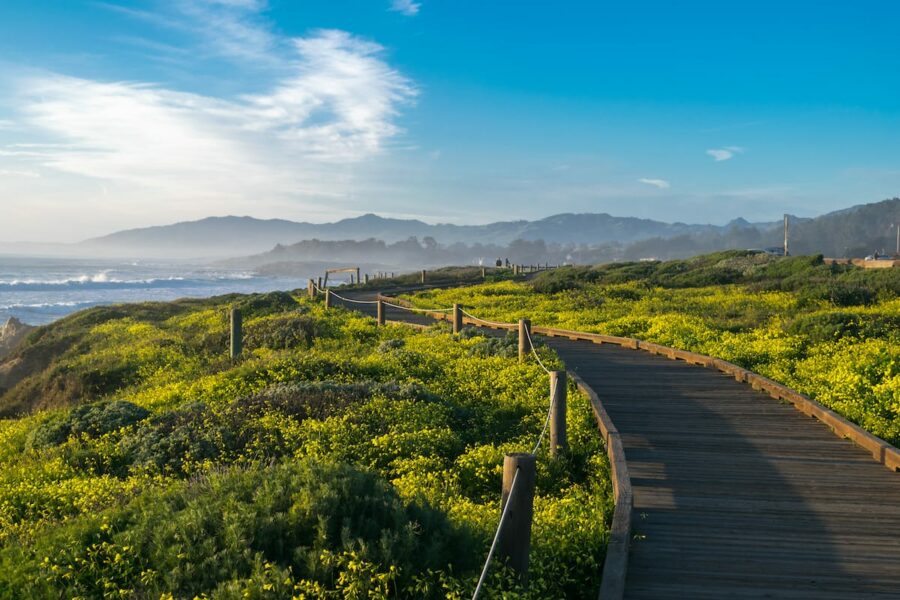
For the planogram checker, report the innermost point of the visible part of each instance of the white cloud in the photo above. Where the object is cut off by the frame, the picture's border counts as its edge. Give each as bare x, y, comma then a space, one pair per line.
337, 106
19, 173
724, 153
658, 183
406, 7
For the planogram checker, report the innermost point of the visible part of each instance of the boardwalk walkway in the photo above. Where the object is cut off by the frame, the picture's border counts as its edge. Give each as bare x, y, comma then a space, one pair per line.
737, 495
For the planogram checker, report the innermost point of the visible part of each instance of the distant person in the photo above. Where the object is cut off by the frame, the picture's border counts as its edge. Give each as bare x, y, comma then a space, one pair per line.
499, 262
875, 255
507, 262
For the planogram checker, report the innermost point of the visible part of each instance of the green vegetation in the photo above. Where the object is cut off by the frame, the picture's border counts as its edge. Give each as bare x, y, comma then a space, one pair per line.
334, 459
829, 331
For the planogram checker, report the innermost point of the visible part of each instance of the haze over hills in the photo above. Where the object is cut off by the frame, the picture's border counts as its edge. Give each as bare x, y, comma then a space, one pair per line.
229, 236
855, 231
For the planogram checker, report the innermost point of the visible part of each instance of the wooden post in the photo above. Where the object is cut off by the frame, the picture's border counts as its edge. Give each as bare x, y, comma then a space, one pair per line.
357, 276
236, 332
457, 318
351, 279
367, 278
558, 438
515, 538
327, 299
423, 275
524, 334
380, 319
483, 272
311, 289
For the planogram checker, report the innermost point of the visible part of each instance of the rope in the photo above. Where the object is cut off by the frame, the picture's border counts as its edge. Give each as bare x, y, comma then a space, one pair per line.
533, 351
546, 425
354, 301
490, 556
420, 310
495, 323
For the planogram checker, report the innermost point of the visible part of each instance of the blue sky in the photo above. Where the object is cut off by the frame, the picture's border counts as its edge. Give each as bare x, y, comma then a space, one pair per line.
119, 114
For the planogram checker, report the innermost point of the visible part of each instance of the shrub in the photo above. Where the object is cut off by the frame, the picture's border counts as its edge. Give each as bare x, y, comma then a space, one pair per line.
505, 347
300, 520
91, 420
281, 333
170, 443
388, 345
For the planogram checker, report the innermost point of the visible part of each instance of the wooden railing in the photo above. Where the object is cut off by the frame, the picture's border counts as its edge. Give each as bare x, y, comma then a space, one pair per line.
615, 567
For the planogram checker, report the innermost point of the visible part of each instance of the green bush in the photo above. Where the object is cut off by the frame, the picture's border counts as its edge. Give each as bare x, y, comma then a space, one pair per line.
91, 420
281, 333
228, 530
504, 347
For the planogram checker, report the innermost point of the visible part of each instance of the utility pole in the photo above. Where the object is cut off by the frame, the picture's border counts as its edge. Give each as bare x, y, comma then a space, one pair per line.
897, 251
785, 235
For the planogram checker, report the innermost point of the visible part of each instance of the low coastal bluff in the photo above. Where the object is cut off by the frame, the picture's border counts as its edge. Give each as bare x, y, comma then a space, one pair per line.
11, 334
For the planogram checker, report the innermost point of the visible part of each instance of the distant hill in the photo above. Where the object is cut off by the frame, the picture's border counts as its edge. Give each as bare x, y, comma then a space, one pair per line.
854, 231
234, 236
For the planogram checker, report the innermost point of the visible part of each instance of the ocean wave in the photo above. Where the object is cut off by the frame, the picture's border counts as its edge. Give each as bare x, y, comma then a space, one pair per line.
101, 277
25, 305
104, 280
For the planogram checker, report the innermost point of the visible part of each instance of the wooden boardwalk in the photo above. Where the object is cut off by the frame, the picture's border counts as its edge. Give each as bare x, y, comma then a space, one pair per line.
737, 495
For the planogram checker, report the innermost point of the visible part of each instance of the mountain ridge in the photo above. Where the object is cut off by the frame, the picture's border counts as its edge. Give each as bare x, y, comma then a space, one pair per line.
217, 233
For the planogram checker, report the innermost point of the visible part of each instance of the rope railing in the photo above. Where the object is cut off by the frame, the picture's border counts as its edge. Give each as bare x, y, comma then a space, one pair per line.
534, 352
490, 556
339, 297
546, 426
418, 310
485, 321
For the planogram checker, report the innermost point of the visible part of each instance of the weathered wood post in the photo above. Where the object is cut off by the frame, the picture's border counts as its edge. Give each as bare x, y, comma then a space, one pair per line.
357, 275
515, 538
351, 279
311, 289
423, 275
457, 318
524, 336
367, 278
380, 319
327, 299
558, 438
320, 283
483, 272
236, 333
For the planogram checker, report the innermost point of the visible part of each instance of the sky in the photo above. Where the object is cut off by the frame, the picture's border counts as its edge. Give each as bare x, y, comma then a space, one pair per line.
118, 114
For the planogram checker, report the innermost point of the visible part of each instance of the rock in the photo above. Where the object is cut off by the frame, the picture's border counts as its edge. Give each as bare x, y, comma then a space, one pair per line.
11, 334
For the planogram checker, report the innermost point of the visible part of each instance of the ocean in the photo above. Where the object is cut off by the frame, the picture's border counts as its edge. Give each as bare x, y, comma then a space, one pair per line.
40, 290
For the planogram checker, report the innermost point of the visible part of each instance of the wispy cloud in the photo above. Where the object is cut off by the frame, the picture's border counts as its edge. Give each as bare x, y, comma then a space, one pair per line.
337, 106
657, 183
19, 173
234, 28
724, 153
406, 7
